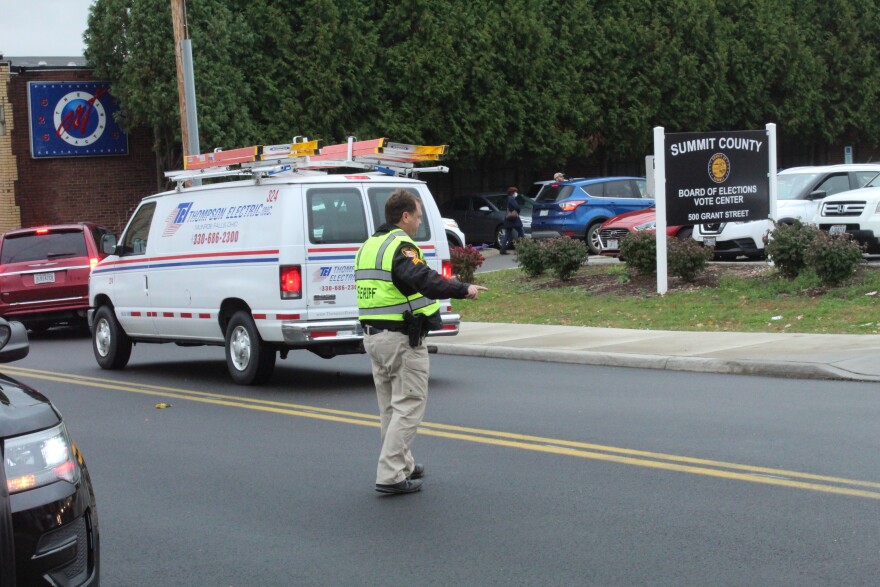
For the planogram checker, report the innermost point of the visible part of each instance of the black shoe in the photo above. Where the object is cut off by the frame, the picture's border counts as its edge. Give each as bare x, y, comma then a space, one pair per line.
405, 486
418, 472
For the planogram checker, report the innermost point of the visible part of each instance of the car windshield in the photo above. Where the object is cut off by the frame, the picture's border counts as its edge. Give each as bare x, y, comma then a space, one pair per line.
40, 247
875, 182
790, 185
555, 192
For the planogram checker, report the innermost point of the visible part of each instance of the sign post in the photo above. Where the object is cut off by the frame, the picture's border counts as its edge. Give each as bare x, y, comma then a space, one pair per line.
660, 207
712, 177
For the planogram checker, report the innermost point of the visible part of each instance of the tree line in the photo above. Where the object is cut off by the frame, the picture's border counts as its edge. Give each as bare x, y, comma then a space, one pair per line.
537, 83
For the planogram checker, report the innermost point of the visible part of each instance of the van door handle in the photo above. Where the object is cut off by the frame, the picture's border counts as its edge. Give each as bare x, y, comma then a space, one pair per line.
146, 283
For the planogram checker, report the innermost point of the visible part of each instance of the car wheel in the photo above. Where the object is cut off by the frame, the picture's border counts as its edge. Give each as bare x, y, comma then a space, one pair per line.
685, 233
111, 344
250, 361
592, 237
499, 235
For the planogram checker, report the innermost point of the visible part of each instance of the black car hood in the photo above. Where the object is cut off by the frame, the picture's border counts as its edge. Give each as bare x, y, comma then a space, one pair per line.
23, 409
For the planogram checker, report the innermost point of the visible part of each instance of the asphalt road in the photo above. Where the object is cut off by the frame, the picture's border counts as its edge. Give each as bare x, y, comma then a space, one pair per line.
537, 474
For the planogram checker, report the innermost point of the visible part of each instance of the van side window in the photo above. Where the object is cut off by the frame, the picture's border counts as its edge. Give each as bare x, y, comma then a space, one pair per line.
378, 197
336, 215
135, 240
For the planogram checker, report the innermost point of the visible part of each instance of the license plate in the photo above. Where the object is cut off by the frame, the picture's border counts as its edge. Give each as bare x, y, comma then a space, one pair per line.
612, 244
543, 212
709, 241
837, 229
44, 278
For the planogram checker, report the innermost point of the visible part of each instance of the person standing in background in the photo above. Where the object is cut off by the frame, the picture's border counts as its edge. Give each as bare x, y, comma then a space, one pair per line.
512, 221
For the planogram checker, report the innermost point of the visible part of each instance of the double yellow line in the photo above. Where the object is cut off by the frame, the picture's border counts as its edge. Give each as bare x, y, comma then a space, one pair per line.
668, 462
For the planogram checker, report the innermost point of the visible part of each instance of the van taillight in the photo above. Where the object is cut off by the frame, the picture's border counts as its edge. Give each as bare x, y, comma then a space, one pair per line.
291, 282
446, 269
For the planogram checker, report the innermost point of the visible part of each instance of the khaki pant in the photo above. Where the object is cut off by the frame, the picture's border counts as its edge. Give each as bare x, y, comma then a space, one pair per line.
400, 373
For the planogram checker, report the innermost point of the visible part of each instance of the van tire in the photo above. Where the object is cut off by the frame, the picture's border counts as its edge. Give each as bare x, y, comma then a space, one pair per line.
111, 344
250, 361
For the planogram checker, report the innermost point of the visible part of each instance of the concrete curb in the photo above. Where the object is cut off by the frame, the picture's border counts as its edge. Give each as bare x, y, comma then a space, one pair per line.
797, 370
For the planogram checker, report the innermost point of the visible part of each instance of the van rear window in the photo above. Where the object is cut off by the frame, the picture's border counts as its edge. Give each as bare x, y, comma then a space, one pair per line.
378, 197
336, 215
42, 247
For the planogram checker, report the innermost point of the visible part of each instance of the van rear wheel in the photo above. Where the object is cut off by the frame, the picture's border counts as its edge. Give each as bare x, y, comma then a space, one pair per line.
111, 344
250, 360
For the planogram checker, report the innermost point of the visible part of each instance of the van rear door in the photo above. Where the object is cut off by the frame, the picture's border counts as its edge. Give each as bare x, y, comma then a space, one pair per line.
337, 227
427, 236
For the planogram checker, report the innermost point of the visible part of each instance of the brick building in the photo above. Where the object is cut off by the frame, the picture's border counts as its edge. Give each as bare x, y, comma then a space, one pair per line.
54, 189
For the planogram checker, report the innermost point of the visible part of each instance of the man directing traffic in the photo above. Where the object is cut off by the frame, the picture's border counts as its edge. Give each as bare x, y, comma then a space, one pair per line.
397, 293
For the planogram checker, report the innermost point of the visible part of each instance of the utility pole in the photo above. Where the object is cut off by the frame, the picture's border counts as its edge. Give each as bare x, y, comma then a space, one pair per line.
178, 19
186, 82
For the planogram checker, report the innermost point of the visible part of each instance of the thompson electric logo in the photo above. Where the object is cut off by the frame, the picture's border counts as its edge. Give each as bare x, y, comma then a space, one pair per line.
176, 219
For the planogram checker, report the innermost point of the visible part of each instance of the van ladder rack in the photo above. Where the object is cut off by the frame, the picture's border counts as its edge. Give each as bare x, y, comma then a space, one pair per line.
260, 161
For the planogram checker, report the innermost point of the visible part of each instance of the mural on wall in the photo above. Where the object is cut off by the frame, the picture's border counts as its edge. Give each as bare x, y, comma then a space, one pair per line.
74, 119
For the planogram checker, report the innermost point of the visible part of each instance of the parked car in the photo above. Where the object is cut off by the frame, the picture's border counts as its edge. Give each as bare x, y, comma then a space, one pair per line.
615, 229
856, 213
481, 216
536, 188
799, 193
48, 520
454, 236
577, 208
44, 273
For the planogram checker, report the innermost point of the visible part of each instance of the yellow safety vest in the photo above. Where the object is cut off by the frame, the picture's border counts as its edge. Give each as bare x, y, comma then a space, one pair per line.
377, 296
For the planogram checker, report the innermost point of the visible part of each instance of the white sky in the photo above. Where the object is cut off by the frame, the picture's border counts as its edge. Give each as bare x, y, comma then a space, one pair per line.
43, 28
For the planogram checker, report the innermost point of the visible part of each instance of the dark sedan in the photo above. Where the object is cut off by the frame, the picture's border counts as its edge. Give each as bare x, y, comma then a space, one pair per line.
481, 216
48, 520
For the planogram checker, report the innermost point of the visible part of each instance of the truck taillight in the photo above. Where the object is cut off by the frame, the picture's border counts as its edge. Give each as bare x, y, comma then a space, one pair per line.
446, 269
291, 282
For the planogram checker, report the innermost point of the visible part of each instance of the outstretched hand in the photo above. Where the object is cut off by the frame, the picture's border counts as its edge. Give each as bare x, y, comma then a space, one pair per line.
474, 291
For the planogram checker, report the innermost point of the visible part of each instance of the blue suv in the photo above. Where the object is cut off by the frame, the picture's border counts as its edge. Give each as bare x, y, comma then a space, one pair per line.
578, 207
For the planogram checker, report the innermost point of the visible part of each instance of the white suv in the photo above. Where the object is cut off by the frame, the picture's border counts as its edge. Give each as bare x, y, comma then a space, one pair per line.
856, 213
799, 191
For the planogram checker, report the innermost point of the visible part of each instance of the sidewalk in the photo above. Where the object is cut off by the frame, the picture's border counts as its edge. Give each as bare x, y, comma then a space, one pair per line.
852, 357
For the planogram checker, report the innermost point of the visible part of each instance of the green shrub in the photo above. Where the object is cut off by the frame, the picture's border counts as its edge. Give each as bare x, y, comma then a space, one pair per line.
640, 251
686, 258
833, 258
531, 255
565, 256
465, 261
787, 246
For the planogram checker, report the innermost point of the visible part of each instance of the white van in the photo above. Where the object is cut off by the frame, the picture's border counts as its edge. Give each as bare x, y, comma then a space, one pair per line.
260, 266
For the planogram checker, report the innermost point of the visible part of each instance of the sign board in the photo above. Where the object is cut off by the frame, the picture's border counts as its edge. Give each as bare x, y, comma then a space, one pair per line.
74, 119
716, 177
